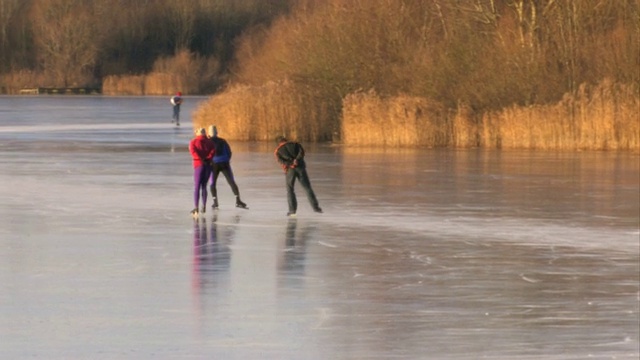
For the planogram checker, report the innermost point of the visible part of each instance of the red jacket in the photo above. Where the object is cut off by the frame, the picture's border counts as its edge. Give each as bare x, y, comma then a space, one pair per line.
201, 149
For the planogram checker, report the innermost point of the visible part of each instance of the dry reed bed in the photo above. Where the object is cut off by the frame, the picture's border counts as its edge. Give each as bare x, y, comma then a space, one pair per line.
599, 117
258, 113
150, 84
12, 83
602, 117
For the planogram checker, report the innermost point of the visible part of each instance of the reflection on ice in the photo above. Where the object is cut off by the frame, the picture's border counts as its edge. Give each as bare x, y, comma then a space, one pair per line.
33, 129
420, 253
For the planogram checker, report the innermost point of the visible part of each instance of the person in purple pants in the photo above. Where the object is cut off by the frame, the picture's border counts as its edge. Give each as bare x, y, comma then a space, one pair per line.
202, 150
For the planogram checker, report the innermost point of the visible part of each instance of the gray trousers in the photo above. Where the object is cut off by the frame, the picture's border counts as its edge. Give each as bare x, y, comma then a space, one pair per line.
301, 175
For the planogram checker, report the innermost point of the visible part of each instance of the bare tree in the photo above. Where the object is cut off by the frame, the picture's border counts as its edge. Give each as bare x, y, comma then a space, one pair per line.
181, 15
66, 36
8, 10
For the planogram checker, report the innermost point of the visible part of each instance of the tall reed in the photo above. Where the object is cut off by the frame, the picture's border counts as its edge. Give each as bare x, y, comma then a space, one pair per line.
186, 72
123, 85
369, 119
600, 117
150, 84
262, 112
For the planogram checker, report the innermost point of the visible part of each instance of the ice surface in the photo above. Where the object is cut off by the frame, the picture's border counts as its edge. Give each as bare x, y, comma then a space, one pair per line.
420, 254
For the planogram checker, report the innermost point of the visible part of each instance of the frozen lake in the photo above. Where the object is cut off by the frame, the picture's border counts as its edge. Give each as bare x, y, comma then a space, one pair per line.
420, 254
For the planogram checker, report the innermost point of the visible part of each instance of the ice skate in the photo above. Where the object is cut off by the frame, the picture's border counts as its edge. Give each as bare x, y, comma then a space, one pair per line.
240, 204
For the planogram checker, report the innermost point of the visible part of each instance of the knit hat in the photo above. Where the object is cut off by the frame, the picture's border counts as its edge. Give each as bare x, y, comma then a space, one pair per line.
213, 131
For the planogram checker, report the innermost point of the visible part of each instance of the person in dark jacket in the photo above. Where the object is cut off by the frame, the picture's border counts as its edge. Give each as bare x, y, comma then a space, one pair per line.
202, 151
290, 155
176, 101
221, 164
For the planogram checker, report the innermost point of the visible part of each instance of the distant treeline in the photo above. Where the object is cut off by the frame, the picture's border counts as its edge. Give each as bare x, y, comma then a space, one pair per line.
78, 43
337, 70
553, 74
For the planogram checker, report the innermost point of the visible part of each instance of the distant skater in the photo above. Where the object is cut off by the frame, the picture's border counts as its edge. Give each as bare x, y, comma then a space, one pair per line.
176, 101
290, 155
221, 164
202, 151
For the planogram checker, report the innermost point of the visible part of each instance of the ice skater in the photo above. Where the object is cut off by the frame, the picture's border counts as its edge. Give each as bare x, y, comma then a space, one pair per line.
176, 101
202, 151
221, 164
290, 155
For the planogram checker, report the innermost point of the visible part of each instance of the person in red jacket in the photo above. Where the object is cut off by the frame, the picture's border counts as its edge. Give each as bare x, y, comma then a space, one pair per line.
202, 150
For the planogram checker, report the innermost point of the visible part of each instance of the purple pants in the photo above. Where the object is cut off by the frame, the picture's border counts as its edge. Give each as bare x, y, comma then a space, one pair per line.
200, 178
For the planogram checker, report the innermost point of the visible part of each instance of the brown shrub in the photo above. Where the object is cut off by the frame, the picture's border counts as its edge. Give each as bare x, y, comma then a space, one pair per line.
185, 72
601, 117
598, 117
371, 120
123, 85
14, 82
262, 112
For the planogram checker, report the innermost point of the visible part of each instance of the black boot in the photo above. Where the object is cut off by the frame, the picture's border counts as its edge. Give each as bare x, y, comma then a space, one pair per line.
240, 204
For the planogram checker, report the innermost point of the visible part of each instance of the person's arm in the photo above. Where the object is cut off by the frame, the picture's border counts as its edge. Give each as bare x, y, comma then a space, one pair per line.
284, 154
228, 149
201, 151
300, 152
281, 156
212, 150
193, 149
299, 155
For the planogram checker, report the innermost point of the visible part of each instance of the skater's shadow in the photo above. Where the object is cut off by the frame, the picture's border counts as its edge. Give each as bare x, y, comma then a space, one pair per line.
211, 251
292, 264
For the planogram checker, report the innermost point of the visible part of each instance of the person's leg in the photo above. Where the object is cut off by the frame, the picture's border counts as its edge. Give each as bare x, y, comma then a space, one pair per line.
197, 175
306, 184
291, 195
228, 174
215, 171
214, 179
204, 180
